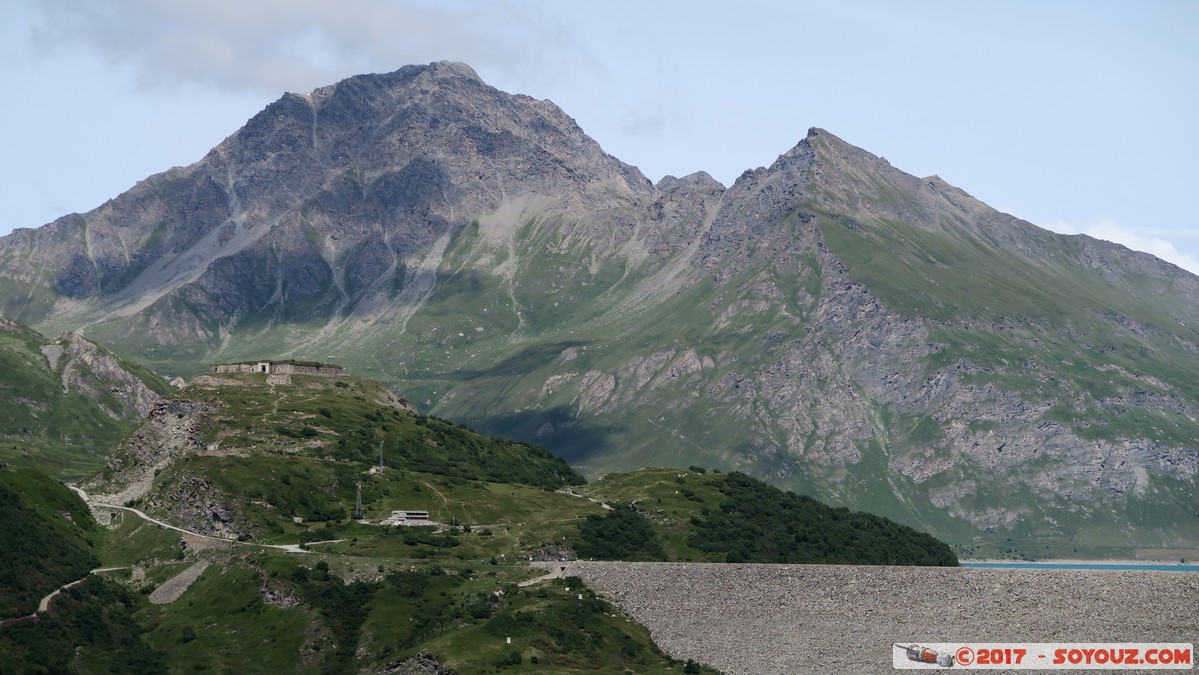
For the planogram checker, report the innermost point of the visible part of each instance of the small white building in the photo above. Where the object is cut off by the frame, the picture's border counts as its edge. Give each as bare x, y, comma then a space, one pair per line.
408, 518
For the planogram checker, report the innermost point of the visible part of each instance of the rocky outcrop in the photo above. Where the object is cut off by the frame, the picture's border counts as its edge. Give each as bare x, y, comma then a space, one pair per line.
423, 663
197, 505
103, 377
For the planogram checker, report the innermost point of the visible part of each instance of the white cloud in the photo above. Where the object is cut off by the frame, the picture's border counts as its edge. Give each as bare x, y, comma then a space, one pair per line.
275, 45
1110, 230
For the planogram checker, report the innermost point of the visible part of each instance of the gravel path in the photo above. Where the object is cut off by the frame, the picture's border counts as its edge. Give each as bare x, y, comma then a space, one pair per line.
751, 619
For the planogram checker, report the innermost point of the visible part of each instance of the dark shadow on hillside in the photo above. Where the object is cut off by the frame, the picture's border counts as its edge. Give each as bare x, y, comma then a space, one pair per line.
523, 362
557, 429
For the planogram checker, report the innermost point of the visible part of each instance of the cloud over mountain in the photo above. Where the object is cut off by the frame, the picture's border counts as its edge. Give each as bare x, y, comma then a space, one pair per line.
294, 45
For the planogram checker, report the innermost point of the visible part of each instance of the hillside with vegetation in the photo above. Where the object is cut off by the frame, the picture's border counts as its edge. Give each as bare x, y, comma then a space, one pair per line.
66, 402
91, 628
260, 463
278, 573
240, 455
697, 516
46, 541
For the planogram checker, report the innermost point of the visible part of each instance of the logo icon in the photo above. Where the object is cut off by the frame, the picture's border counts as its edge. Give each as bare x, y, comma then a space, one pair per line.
926, 655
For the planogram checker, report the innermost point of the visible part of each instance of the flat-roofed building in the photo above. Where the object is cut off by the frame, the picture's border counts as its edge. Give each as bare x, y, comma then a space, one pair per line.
407, 518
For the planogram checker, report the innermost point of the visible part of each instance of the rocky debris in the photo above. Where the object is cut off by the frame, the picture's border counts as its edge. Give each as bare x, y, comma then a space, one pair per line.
423, 663
750, 619
52, 352
553, 553
173, 429
196, 504
654, 515
387, 398
172, 588
274, 596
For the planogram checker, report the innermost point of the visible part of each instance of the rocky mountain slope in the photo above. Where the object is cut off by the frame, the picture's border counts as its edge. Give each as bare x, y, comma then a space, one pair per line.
829, 322
66, 402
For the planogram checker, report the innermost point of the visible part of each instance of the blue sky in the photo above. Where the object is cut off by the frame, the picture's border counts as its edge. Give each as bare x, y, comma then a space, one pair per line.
1077, 116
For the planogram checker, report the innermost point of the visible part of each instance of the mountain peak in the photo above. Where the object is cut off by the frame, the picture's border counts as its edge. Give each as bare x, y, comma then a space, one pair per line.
452, 68
440, 71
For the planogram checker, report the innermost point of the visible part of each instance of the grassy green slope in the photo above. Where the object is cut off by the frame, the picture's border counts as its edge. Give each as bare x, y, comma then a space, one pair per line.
46, 540
268, 612
380, 596
1080, 314
49, 539
285, 458
693, 515
487, 342
65, 433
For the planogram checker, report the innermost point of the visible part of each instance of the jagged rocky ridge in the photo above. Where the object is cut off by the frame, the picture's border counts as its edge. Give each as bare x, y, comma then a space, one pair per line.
828, 322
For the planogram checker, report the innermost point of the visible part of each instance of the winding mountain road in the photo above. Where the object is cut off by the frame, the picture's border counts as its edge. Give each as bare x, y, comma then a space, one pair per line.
290, 548
44, 604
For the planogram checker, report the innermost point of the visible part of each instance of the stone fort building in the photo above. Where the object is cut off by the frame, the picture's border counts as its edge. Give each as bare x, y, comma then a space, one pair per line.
279, 372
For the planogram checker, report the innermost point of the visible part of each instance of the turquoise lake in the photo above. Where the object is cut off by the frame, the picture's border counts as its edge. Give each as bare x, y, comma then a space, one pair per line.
1084, 566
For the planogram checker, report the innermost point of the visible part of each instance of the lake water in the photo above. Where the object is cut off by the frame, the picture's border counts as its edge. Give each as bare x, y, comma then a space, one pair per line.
1083, 566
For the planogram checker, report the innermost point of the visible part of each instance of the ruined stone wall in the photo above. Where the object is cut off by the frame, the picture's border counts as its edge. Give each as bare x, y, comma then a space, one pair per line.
233, 368
294, 369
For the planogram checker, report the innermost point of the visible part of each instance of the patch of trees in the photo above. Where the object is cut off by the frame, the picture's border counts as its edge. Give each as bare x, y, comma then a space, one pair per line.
93, 624
344, 607
620, 534
298, 433
759, 523
432, 445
